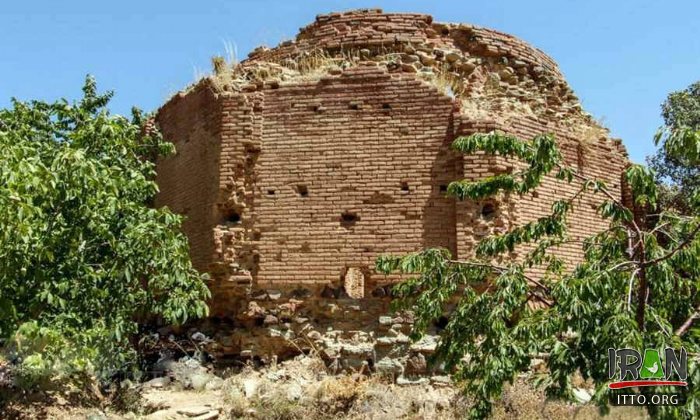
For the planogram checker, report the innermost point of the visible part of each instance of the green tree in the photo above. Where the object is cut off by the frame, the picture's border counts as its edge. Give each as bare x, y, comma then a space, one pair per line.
637, 286
83, 254
676, 175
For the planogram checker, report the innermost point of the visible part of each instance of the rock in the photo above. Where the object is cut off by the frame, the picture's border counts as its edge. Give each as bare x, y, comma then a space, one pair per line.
467, 66
538, 365
214, 384
335, 70
249, 87
96, 416
254, 310
426, 59
157, 383
270, 320
274, 294
582, 395
388, 365
441, 380
385, 320
294, 392
194, 411
199, 381
452, 57
331, 309
211, 415
402, 381
426, 344
409, 58
259, 295
250, 387
360, 350
385, 341
409, 68
198, 336
314, 335
276, 375
365, 53
416, 364
330, 353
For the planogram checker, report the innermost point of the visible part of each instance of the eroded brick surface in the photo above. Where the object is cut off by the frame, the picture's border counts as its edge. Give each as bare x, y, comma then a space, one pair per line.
302, 164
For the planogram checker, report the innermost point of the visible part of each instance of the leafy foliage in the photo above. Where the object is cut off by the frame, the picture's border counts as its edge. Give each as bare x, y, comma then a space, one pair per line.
679, 178
637, 286
83, 256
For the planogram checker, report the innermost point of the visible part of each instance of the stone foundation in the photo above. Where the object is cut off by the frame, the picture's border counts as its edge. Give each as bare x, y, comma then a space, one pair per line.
349, 334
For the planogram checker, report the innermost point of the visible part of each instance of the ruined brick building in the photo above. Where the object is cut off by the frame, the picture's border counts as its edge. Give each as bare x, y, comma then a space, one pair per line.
300, 165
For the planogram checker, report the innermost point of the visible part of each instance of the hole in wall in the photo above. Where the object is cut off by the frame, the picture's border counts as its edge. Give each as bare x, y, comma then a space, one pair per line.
386, 106
405, 187
443, 188
445, 31
232, 218
348, 219
271, 192
302, 190
488, 211
355, 105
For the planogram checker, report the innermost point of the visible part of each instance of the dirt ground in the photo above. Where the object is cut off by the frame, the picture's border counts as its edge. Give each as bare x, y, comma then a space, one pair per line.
296, 389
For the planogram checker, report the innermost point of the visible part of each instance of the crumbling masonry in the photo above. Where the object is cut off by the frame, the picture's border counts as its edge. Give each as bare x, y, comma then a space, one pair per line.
297, 167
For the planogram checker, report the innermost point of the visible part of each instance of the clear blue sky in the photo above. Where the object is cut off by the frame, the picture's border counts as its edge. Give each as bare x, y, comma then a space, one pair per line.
620, 56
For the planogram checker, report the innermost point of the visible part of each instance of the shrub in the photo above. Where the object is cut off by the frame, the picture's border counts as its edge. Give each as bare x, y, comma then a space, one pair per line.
83, 254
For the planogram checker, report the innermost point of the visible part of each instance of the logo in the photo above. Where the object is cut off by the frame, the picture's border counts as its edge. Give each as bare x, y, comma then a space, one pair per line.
633, 370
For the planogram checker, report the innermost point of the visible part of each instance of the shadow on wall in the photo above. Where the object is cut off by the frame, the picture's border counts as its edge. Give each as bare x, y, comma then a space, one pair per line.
439, 212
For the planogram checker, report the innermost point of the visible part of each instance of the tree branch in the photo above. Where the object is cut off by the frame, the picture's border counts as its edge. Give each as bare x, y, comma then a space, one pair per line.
688, 322
684, 244
499, 269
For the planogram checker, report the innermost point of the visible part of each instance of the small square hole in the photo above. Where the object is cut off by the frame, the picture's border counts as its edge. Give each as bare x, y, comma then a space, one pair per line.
348, 219
231, 218
405, 187
303, 190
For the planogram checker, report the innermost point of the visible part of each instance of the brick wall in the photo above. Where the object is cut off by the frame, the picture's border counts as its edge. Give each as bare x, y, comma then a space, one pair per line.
188, 181
351, 168
292, 187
